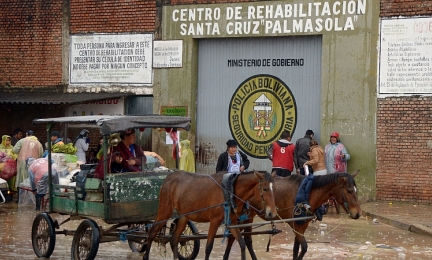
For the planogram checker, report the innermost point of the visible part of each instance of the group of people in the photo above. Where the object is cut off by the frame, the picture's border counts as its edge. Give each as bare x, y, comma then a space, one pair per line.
306, 155
21, 148
29, 150
32, 162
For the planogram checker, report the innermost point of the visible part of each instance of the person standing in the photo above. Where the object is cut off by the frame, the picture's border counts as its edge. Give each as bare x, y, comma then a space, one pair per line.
25, 148
38, 173
282, 155
187, 159
232, 160
336, 155
56, 139
301, 151
18, 133
82, 143
317, 160
7, 148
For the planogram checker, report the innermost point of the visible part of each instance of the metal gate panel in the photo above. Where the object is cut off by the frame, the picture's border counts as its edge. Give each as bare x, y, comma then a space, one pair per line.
217, 81
141, 105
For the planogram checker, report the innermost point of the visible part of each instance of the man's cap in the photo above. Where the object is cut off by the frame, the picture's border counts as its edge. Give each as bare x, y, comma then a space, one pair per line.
30, 132
55, 133
335, 134
231, 143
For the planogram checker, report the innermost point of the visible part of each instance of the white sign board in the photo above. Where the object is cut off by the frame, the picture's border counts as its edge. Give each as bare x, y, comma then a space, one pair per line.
112, 107
111, 58
168, 54
406, 56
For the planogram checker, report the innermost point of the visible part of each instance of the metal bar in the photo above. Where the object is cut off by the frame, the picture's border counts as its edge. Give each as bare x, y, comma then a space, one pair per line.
270, 222
64, 186
65, 232
136, 235
176, 149
50, 187
105, 171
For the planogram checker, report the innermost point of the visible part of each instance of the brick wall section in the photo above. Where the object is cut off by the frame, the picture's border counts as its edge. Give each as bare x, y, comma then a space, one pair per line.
404, 144
120, 16
404, 130
30, 43
394, 8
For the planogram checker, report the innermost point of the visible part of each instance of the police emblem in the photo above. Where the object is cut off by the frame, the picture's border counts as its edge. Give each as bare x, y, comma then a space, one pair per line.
260, 109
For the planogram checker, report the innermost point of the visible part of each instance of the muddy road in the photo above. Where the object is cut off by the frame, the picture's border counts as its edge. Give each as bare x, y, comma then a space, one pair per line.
336, 237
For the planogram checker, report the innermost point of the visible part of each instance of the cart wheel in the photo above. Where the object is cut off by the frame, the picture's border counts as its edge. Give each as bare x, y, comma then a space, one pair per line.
138, 245
188, 250
85, 243
43, 235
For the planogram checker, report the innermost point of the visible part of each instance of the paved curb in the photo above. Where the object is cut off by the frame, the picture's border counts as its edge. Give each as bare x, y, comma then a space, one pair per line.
416, 228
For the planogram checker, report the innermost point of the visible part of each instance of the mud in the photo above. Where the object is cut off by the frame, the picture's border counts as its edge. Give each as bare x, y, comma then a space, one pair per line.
336, 237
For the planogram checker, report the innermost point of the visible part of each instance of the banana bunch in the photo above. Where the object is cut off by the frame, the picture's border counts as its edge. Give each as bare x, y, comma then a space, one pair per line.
64, 148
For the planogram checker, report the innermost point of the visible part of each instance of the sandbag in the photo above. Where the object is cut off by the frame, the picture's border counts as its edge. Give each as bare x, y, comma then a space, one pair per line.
9, 169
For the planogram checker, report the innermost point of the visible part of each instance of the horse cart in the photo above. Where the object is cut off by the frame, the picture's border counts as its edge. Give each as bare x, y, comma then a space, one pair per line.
129, 201
126, 201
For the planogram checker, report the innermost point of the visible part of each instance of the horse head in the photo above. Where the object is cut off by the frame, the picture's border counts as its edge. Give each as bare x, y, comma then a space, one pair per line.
266, 193
347, 195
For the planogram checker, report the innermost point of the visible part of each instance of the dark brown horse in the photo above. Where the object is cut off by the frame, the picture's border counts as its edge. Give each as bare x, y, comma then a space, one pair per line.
199, 198
341, 186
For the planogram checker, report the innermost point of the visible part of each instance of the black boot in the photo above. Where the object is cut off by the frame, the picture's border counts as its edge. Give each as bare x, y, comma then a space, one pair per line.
38, 203
231, 190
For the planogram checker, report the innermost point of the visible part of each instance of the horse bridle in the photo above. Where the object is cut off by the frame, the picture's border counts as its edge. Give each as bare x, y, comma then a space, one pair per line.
346, 204
262, 198
261, 193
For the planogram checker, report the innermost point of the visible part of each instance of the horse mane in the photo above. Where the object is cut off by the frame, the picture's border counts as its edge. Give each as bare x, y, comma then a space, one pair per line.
323, 180
295, 178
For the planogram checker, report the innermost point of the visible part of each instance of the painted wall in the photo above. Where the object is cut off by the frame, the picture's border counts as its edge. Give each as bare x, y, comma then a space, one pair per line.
349, 67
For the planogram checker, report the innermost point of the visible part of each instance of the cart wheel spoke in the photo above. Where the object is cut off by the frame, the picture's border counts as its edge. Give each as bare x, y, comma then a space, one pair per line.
43, 235
136, 244
85, 243
189, 249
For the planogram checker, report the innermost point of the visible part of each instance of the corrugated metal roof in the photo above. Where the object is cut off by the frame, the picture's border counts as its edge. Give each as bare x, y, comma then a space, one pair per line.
53, 98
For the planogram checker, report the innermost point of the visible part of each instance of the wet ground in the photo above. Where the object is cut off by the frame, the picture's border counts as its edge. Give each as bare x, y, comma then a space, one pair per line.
336, 237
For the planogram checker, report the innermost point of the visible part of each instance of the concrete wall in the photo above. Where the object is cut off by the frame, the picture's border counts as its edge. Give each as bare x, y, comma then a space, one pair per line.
349, 76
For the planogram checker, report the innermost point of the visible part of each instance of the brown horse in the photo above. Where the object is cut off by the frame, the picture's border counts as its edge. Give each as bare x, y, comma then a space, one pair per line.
341, 186
199, 198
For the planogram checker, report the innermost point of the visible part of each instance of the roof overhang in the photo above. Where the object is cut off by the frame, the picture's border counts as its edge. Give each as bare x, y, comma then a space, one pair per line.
54, 98
113, 124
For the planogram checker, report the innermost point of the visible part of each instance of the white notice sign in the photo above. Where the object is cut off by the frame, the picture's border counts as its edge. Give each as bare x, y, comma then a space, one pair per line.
406, 56
168, 54
111, 58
